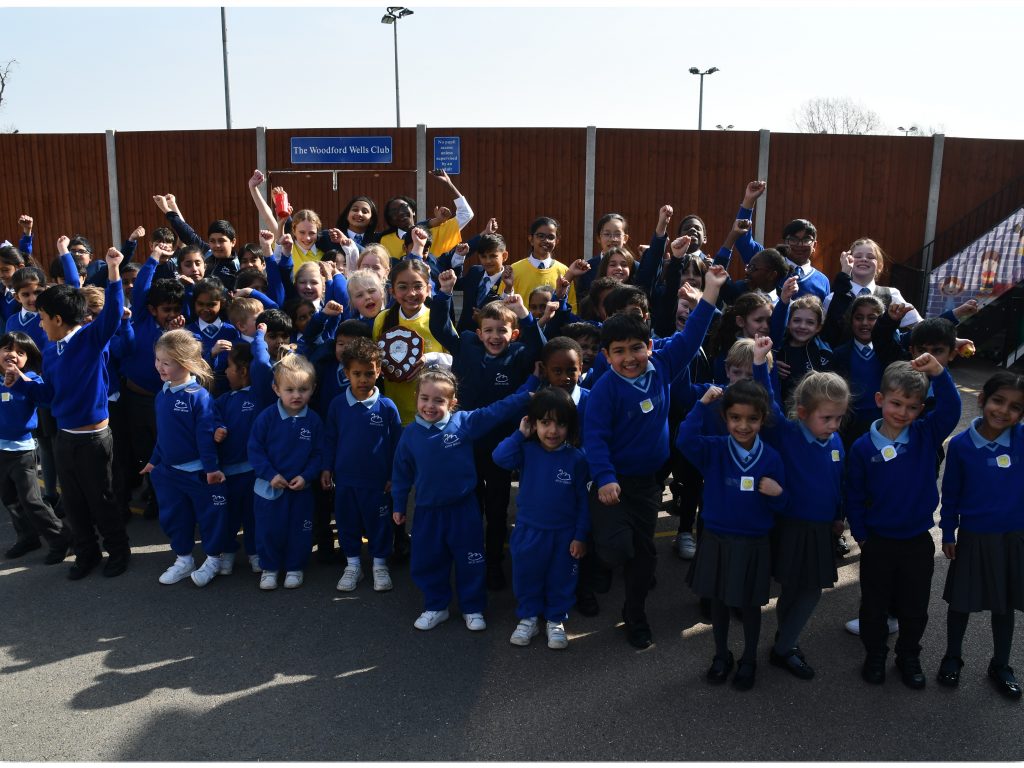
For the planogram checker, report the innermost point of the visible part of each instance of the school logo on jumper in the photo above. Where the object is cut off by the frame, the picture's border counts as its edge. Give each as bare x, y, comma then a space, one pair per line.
376, 420
563, 477
247, 406
501, 379
219, 500
305, 434
451, 440
307, 525
382, 511
180, 406
475, 558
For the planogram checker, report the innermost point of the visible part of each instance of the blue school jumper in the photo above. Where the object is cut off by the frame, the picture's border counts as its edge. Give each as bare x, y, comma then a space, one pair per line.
553, 512
733, 505
360, 438
438, 460
983, 485
626, 426
223, 269
183, 455
261, 373
331, 381
236, 411
208, 335
289, 446
579, 396
138, 366
890, 488
18, 415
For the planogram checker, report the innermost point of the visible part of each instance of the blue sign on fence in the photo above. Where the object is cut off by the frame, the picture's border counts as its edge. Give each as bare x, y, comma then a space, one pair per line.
448, 154
341, 149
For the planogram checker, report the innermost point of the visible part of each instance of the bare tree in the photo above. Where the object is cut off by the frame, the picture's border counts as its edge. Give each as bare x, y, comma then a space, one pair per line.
5, 76
836, 115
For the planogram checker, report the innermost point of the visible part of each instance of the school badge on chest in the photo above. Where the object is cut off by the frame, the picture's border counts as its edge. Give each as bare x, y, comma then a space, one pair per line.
403, 350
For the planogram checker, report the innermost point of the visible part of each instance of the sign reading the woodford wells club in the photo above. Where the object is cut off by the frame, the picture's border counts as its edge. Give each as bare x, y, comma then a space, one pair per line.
341, 149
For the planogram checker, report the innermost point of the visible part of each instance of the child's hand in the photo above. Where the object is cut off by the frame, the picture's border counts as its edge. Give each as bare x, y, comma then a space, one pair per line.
241, 293
711, 395
398, 517
146, 469
326, 480
462, 249
256, 179
262, 328
926, 364
220, 434
769, 487
186, 280
949, 550
267, 241
515, 302
715, 276
11, 375
278, 481
898, 311
286, 243
213, 478
577, 549
161, 203
608, 494
127, 314
221, 345
577, 269
442, 213
333, 308
446, 281
137, 233
25, 222
507, 278
680, 246
62, 244
783, 368
339, 237
641, 250
441, 175
114, 257
297, 483
491, 228
526, 426
740, 227
689, 294
789, 289
162, 251
762, 346
538, 370
328, 269
420, 237
964, 348
846, 262
549, 312
176, 323
753, 191
966, 309
664, 217
172, 203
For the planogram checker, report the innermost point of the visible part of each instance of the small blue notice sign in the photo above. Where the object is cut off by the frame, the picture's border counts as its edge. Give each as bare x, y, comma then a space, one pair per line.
341, 149
447, 154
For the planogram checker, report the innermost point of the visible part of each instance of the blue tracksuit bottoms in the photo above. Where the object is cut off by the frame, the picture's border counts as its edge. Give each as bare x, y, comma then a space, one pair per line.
363, 509
544, 574
186, 499
441, 536
240, 513
284, 530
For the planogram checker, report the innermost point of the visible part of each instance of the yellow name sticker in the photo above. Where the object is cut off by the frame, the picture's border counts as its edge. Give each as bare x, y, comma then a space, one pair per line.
746, 483
647, 406
888, 453
835, 455
1003, 462
5, 396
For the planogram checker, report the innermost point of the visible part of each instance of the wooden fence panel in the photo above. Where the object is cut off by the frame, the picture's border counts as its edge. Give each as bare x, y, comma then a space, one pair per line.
973, 170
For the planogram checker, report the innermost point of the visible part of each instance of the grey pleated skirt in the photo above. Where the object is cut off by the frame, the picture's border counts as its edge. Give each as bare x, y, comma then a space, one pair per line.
987, 574
733, 569
803, 553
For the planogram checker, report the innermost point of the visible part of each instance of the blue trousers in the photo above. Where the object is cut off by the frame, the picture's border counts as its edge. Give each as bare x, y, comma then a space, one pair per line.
186, 500
363, 509
444, 535
544, 574
240, 514
284, 530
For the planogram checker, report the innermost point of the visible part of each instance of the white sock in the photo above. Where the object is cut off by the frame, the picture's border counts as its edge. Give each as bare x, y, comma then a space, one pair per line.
185, 560
380, 561
354, 561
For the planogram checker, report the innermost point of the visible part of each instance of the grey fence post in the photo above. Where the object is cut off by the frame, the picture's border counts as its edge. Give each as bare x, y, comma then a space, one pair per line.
932, 217
764, 136
588, 190
261, 156
421, 172
112, 191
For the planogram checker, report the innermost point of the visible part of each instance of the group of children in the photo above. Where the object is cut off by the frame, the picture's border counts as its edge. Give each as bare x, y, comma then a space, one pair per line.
322, 372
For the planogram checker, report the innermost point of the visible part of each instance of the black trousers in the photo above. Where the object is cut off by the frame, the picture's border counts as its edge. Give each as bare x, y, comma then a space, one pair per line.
624, 535
493, 491
138, 411
84, 469
895, 574
31, 516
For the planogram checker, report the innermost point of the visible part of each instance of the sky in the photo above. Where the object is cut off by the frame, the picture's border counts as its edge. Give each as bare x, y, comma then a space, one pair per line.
946, 67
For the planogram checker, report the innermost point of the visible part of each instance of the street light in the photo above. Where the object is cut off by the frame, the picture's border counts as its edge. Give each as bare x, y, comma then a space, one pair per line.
908, 131
724, 127
393, 14
700, 112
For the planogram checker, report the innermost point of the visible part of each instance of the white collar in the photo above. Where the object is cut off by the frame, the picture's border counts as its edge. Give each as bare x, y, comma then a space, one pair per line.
203, 325
546, 264
417, 316
870, 345
168, 387
856, 287
368, 402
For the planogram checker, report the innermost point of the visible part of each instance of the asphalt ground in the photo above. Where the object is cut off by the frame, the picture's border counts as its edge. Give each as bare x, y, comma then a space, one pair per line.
128, 669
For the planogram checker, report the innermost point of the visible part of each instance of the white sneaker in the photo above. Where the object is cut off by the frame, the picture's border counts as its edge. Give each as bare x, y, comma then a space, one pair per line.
524, 632
475, 622
556, 636
381, 578
893, 625
227, 564
293, 579
205, 573
254, 563
352, 575
686, 547
181, 569
430, 619
268, 580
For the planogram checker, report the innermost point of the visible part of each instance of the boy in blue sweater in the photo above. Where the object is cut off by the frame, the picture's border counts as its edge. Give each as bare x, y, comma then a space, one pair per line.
890, 503
361, 433
626, 441
75, 386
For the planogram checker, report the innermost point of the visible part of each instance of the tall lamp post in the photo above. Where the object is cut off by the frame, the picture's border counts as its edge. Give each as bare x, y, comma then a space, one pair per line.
908, 131
393, 14
700, 112
227, 84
